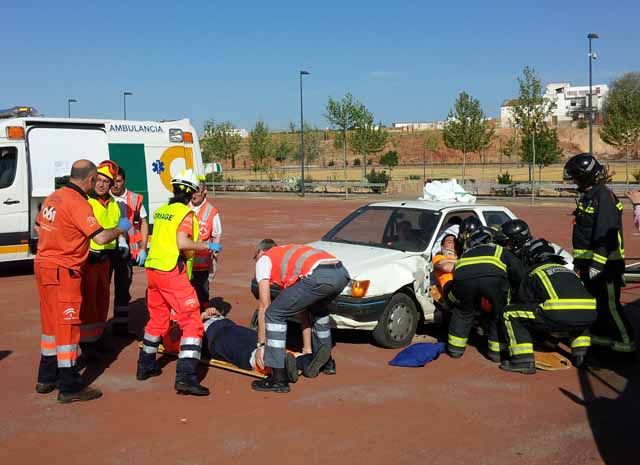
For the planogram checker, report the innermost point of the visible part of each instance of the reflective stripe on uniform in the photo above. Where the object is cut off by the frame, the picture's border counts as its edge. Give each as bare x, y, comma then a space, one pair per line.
581, 341
285, 261
569, 304
47, 345
493, 260
521, 349
583, 254
495, 346
276, 343
189, 354
300, 261
190, 341
457, 341
613, 308
277, 327
513, 342
323, 334
599, 258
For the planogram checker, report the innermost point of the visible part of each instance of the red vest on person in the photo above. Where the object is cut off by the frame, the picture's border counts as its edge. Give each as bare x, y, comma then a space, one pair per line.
206, 214
291, 262
134, 204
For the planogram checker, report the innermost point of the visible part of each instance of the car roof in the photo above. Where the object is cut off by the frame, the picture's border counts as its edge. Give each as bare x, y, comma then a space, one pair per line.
426, 205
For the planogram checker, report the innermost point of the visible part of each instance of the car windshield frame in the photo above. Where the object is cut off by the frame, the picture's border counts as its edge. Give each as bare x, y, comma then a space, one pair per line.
427, 238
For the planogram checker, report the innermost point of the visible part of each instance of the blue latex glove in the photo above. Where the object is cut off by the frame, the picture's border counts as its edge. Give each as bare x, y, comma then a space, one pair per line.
124, 224
142, 257
214, 246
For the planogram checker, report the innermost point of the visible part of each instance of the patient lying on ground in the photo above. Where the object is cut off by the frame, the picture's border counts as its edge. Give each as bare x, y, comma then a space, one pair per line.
225, 340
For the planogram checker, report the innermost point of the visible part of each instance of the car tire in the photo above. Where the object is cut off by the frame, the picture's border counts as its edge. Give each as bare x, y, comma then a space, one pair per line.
398, 322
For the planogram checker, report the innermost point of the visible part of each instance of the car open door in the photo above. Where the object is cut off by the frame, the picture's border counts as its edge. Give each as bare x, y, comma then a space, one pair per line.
14, 203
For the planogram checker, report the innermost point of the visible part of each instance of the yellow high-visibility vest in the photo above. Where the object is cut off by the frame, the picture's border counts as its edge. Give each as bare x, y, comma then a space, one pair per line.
108, 218
164, 251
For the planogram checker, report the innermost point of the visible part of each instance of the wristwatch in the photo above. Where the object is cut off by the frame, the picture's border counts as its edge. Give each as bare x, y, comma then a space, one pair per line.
260, 344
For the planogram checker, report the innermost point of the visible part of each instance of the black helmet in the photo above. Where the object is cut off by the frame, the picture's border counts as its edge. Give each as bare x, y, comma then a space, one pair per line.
468, 226
540, 251
583, 169
516, 234
480, 236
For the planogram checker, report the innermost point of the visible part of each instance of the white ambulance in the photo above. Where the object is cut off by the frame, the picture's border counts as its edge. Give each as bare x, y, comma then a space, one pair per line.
36, 154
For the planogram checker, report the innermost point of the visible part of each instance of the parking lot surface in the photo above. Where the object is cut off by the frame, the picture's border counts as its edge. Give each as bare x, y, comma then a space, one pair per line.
450, 412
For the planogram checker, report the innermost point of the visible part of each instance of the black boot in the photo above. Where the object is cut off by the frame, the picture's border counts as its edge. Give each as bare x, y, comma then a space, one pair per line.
527, 367
329, 368
187, 378
290, 365
85, 394
317, 362
275, 382
454, 352
191, 388
147, 367
47, 374
493, 356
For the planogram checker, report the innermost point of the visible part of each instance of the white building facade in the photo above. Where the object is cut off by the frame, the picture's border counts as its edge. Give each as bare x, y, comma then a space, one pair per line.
568, 103
417, 126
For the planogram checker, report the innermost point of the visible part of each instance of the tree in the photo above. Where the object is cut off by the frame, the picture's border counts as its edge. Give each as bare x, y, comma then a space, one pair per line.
430, 144
390, 159
621, 126
509, 148
220, 142
530, 110
312, 145
284, 148
367, 139
260, 147
345, 114
466, 128
547, 148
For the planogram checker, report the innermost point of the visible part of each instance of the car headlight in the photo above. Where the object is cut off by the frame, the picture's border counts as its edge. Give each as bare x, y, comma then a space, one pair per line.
359, 288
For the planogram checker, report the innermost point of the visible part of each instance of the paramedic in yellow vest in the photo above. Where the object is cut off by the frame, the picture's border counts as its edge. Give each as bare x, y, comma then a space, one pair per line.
175, 238
205, 261
132, 247
95, 282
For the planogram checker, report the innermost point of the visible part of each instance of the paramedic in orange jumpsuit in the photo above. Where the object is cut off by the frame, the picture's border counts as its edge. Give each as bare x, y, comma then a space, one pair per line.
175, 238
96, 279
64, 225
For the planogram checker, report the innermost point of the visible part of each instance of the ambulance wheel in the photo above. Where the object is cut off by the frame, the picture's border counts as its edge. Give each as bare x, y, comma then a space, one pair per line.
397, 325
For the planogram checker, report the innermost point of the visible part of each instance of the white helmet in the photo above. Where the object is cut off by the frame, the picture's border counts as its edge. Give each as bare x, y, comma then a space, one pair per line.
186, 178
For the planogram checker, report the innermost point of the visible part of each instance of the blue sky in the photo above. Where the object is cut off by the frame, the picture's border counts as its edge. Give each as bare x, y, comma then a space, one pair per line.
239, 61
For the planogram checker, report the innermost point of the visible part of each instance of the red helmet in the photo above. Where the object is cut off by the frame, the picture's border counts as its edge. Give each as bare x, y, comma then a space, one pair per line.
108, 169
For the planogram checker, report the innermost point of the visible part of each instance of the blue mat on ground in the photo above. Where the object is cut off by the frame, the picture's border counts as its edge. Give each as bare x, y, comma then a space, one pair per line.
418, 355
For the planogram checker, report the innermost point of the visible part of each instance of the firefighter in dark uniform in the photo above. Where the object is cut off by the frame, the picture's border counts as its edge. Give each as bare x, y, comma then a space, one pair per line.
551, 298
598, 250
485, 272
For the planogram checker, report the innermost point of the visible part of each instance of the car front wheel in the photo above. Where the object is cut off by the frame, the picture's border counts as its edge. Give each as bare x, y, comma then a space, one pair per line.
397, 325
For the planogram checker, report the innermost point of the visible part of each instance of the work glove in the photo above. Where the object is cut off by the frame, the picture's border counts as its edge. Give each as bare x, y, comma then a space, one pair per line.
214, 246
594, 273
124, 224
142, 257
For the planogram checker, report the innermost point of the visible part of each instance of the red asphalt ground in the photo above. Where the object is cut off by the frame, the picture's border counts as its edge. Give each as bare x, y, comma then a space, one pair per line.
450, 412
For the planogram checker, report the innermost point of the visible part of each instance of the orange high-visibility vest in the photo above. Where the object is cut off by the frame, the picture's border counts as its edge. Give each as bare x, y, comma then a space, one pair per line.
206, 215
291, 262
134, 204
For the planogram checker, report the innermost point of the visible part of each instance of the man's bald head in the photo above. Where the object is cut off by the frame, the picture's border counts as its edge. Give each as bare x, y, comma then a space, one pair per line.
81, 170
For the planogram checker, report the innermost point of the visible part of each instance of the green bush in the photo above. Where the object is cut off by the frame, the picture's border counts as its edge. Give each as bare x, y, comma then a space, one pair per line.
331, 163
414, 177
357, 162
374, 176
505, 178
582, 124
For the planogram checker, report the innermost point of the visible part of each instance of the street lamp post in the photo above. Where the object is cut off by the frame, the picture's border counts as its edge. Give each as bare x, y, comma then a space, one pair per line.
592, 56
69, 102
302, 73
124, 102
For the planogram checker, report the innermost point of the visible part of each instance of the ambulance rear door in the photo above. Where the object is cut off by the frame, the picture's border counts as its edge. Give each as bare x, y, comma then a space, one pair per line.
14, 201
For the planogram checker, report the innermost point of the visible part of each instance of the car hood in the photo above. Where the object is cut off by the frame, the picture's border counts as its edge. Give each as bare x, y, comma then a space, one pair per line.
359, 259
